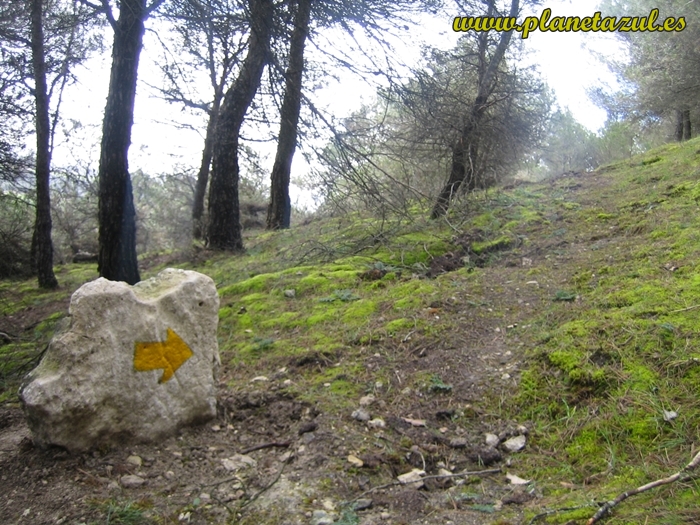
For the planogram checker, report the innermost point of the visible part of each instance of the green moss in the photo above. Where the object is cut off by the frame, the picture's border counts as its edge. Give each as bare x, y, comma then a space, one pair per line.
399, 325
359, 312
501, 243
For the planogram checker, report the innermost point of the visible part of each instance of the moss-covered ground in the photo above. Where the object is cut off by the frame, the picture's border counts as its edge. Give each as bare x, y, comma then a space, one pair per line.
581, 320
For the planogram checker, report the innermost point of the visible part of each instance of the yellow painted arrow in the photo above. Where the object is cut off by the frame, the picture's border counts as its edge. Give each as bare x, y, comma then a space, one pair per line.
168, 355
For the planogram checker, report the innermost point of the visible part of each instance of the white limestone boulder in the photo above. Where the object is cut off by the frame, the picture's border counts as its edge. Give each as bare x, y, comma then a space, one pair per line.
135, 364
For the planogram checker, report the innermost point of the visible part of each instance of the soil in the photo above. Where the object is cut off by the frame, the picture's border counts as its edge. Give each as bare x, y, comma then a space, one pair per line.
299, 454
271, 457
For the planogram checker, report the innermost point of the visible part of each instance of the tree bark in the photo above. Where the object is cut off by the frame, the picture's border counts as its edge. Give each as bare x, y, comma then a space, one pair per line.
687, 131
465, 150
224, 232
279, 210
198, 227
679, 126
117, 216
41, 243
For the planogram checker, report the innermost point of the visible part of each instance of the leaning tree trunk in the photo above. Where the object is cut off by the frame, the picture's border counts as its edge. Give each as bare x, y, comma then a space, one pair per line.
224, 232
198, 227
117, 216
41, 242
279, 211
464, 152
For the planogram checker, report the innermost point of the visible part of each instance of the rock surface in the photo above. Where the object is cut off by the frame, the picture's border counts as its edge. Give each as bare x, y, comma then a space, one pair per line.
135, 364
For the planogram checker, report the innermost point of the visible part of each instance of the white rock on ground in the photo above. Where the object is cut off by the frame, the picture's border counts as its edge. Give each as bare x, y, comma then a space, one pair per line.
135, 364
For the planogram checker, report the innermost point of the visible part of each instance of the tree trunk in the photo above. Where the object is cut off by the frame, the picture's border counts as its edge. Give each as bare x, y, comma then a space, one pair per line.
279, 211
464, 152
117, 217
198, 227
687, 131
224, 211
41, 242
679, 126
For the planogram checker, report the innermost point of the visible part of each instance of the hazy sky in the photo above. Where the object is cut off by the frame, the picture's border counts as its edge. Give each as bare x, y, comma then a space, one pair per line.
564, 60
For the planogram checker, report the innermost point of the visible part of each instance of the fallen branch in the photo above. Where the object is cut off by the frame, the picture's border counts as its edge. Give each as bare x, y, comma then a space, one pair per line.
284, 444
436, 476
608, 506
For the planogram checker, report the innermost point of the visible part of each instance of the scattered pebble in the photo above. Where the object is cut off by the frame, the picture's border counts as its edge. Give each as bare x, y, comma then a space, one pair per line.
204, 497
385, 515
670, 415
321, 517
376, 423
169, 475
361, 415
516, 480
355, 461
414, 478
238, 462
134, 460
491, 439
215, 428
485, 456
515, 444
259, 379
362, 504
131, 481
458, 442
366, 401
309, 426
290, 293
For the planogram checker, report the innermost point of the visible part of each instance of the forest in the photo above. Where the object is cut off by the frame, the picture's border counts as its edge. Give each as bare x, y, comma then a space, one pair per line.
465, 252
460, 119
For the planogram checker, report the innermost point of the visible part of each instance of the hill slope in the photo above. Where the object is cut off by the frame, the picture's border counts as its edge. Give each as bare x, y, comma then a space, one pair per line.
566, 312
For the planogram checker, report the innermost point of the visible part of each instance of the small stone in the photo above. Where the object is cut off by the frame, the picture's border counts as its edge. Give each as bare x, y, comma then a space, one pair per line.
491, 440
287, 382
286, 456
259, 379
309, 426
321, 517
413, 478
378, 385
376, 423
131, 481
485, 456
458, 442
290, 293
516, 480
670, 415
385, 515
204, 497
113, 485
215, 428
169, 475
515, 444
355, 461
238, 462
505, 377
134, 460
361, 415
328, 505
366, 401
362, 504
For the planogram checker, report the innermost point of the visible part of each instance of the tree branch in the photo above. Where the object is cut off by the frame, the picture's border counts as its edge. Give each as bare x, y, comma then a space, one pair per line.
608, 506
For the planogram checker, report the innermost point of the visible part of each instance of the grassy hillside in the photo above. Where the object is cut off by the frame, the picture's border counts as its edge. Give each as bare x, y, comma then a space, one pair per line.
570, 307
